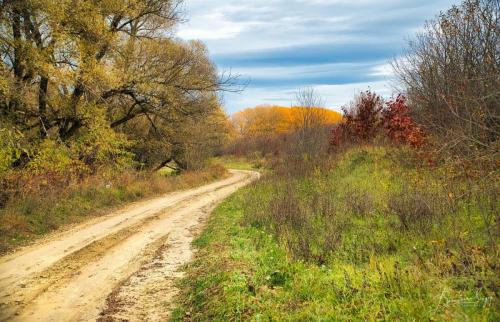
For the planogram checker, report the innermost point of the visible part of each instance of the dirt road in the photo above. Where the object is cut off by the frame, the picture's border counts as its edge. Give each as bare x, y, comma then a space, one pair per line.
114, 268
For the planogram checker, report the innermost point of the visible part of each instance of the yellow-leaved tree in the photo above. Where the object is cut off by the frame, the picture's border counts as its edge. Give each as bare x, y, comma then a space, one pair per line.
106, 79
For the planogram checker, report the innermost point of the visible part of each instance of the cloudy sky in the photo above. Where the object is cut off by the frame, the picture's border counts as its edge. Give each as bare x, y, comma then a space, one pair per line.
338, 47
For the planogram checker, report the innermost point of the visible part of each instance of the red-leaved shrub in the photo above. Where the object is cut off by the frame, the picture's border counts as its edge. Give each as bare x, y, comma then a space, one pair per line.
398, 124
368, 117
361, 120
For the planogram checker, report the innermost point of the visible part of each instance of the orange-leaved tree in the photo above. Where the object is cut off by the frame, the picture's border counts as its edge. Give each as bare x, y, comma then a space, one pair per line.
267, 120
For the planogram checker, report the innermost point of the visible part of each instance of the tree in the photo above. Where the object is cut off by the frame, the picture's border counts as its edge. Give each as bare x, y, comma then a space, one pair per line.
269, 129
311, 125
66, 66
363, 117
201, 138
262, 121
451, 78
309, 114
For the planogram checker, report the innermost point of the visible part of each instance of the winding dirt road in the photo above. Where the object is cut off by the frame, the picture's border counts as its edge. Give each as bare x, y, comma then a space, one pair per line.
120, 267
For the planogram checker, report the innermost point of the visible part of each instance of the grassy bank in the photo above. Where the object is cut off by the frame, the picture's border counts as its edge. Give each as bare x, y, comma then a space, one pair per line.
239, 163
373, 237
25, 219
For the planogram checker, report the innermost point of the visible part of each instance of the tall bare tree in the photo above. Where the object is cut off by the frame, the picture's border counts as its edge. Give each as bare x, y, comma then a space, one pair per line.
451, 72
311, 134
311, 114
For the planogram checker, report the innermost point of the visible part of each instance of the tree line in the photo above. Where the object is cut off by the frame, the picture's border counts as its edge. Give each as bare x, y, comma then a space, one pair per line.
277, 130
89, 84
448, 108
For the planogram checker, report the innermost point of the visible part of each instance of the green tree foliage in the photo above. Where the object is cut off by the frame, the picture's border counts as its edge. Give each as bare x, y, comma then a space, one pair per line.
9, 147
100, 79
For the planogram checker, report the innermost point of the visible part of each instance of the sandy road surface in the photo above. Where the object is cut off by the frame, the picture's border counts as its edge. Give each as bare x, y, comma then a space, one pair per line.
114, 268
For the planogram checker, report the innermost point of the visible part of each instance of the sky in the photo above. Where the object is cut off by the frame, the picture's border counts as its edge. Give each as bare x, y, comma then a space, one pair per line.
336, 47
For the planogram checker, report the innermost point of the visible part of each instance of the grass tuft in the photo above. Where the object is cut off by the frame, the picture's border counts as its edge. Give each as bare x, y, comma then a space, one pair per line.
366, 238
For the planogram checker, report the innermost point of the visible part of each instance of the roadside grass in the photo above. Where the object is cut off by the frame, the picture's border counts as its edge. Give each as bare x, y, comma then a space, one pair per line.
238, 163
167, 172
28, 218
373, 238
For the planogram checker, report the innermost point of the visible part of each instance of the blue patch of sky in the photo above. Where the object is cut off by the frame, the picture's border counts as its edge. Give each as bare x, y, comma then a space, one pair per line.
338, 47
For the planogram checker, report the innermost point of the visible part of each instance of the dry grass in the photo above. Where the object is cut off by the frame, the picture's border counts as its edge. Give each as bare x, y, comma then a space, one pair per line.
369, 238
31, 215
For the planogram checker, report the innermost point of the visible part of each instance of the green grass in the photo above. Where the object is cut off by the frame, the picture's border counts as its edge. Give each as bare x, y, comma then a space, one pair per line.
238, 163
26, 219
265, 257
167, 172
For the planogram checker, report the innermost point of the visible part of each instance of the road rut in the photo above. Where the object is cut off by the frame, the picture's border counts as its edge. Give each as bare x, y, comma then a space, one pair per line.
118, 267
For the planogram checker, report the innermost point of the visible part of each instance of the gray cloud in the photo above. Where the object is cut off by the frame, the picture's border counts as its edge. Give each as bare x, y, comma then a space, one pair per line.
336, 45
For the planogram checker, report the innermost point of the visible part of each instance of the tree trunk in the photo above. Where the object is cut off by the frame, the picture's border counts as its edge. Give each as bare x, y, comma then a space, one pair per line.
16, 33
42, 106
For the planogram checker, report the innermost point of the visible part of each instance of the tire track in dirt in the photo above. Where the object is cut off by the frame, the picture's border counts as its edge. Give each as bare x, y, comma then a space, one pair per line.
147, 294
37, 258
74, 287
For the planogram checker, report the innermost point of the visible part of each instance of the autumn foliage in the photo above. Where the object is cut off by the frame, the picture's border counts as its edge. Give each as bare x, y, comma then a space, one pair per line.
281, 130
368, 117
275, 120
398, 124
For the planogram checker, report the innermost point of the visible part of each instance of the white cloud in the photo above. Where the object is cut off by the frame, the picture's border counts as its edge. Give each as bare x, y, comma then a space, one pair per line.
212, 26
242, 27
384, 70
335, 96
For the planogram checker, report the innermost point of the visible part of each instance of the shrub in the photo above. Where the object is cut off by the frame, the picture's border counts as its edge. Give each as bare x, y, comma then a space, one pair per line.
33, 168
399, 125
10, 148
359, 203
368, 117
309, 227
430, 200
450, 73
361, 120
413, 210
